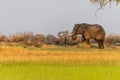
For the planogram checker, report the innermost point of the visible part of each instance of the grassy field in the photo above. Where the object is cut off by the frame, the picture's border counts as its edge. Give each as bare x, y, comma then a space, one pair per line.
59, 63
58, 72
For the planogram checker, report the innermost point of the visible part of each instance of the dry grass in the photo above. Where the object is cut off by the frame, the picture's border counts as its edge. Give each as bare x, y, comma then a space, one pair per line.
74, 56
83, 45
49, 46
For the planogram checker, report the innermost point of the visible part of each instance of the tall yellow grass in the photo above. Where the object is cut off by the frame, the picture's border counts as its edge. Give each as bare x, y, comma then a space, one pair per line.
89, 56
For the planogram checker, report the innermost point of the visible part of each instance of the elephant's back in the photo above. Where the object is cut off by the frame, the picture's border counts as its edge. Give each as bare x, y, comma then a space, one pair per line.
96, 30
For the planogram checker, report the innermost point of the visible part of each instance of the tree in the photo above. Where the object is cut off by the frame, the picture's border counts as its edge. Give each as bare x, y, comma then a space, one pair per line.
18, 37
38, 40
62, 37
50, 39
3, 38
28, 38
103, 3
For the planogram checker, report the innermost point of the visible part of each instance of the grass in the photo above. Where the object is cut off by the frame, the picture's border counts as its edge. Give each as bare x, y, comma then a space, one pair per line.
59, 63
58, 72
59, 55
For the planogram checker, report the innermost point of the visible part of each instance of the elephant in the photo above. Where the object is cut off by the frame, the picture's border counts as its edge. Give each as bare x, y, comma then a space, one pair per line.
89, 31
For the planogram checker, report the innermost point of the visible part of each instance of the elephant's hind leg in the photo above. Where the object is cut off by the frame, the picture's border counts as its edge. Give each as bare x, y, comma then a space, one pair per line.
100, 44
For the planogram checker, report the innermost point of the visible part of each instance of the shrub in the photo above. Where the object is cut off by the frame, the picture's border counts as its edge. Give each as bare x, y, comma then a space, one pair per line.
112, 39
3, 38
39, 40
28, 38
50, 39
17, 37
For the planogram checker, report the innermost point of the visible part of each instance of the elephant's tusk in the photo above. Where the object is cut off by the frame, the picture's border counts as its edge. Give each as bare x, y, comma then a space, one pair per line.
70, 34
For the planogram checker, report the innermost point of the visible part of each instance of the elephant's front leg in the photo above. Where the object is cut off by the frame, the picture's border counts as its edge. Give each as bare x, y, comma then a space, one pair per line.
83, 38
87, 37
88, 41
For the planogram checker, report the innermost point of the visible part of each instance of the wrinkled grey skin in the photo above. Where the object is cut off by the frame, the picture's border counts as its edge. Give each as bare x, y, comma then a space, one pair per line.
89, 31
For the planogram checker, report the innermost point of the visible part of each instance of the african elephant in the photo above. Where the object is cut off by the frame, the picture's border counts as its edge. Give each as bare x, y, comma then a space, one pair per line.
89, 31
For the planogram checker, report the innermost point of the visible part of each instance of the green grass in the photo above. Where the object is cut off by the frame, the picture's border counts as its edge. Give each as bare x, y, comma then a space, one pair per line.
58, 72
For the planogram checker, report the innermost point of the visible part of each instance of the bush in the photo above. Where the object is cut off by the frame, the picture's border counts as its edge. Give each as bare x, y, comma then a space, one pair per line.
28, 38
112, 39
4, 38
39, 40
17, 37
50, 39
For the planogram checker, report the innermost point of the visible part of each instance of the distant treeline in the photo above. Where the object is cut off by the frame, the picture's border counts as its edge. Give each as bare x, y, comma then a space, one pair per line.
62, 38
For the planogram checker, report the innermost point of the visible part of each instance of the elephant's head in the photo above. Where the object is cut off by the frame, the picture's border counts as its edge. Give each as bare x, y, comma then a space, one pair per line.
78, 29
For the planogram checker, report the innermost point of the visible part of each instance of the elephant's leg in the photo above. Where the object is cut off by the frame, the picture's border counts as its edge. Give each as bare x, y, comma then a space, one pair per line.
88, 41
87, 38
100, 43
83, 38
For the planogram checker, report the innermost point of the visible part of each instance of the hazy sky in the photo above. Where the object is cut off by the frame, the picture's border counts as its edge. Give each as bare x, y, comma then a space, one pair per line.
53, 16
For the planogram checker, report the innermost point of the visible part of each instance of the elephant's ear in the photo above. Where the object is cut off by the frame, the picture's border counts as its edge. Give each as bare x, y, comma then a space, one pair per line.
82, 29
75, 29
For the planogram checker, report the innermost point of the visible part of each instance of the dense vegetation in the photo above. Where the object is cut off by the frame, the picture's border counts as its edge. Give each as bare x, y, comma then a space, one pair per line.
62, 38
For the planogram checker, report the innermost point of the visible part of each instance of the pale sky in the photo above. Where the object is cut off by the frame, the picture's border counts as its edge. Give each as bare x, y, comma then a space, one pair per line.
53, 16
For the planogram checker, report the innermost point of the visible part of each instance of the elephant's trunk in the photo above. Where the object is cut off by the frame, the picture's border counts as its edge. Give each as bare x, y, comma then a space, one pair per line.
73, 36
